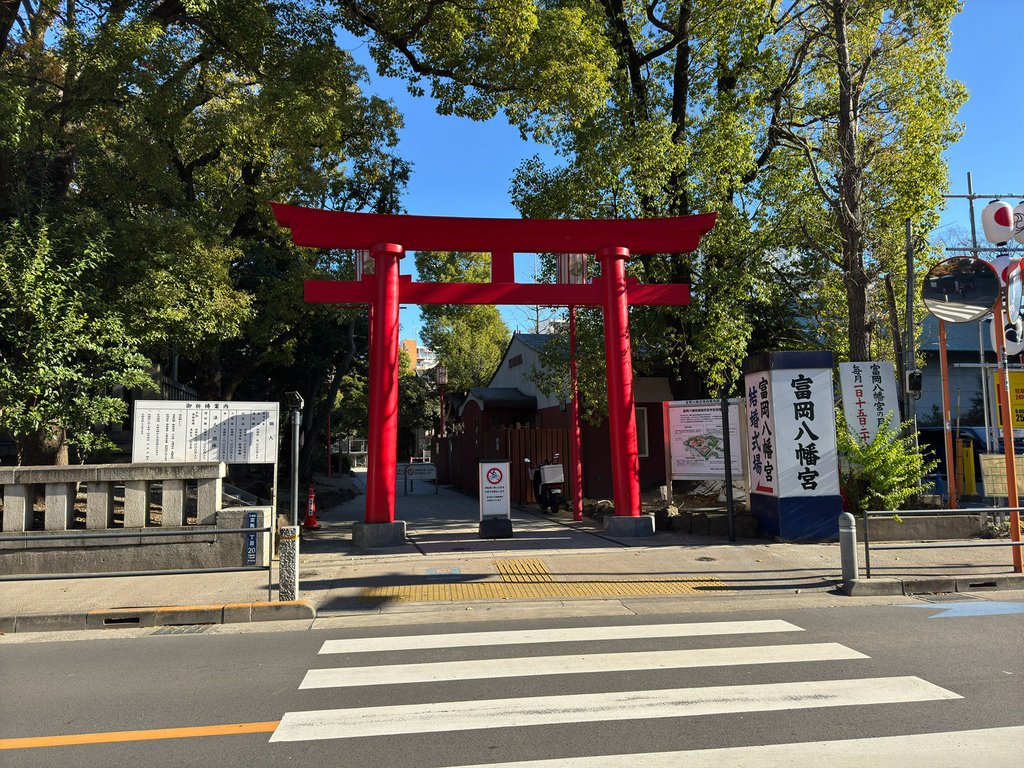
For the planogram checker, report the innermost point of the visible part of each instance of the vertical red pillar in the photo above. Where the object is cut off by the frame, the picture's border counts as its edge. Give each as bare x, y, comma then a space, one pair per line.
619, 361
575, 463
383, 427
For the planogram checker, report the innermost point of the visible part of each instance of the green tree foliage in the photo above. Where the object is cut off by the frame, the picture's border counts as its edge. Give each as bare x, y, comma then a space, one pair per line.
763, 111
162, 129
61, 355
469, 339
882, 474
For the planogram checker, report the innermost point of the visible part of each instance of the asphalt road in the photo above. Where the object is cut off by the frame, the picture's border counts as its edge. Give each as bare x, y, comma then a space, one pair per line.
553, 689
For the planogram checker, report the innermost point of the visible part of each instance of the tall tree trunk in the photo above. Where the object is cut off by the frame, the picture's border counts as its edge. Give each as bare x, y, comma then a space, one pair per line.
851, 174
47, 447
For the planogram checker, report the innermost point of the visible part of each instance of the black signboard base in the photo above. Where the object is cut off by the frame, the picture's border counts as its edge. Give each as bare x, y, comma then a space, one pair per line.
495, 528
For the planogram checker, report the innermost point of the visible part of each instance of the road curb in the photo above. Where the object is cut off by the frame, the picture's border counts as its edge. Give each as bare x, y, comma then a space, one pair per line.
160, 616
931, 584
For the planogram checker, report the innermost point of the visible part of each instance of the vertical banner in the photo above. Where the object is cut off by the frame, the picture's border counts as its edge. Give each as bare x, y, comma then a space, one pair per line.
869, 395
806, 429
760, 434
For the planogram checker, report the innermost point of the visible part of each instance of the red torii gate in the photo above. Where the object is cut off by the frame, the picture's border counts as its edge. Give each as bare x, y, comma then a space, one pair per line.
387, 237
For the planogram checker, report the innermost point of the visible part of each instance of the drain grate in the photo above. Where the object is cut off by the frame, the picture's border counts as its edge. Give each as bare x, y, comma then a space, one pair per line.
945, 597
184, 629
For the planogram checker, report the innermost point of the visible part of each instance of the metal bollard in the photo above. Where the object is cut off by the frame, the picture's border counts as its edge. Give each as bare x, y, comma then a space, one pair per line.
848, 546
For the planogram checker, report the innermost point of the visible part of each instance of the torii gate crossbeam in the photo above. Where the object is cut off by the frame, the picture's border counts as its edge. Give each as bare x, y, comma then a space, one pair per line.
387, 237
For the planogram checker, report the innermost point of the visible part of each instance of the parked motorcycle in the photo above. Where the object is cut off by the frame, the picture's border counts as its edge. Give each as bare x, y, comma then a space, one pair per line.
548, 480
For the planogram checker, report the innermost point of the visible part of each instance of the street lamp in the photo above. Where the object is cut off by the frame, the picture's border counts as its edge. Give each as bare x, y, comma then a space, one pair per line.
441, 375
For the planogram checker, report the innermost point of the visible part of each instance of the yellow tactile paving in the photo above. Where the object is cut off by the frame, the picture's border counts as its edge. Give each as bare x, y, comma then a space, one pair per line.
528, 571
498, 590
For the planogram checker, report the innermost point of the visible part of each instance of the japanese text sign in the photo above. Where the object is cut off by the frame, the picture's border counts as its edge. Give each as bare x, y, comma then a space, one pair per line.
869, 395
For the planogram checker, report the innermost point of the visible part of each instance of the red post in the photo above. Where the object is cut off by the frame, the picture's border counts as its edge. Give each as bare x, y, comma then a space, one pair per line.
383, 427
575, 459
947, 417
1009, 450
619, 360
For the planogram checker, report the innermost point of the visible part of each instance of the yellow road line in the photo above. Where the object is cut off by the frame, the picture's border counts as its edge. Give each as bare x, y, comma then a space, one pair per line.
155, 733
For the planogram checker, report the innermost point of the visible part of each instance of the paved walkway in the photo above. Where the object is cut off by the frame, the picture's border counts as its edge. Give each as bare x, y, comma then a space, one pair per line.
444, 559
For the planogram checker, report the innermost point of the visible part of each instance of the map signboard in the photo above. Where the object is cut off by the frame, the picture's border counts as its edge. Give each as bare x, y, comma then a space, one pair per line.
191, 430
694, 438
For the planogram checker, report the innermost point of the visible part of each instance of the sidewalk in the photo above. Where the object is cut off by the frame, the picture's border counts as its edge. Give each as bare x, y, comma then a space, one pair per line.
548, 559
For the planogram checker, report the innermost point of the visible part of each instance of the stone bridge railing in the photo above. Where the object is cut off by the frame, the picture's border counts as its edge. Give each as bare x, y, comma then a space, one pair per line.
81, 503
62, 485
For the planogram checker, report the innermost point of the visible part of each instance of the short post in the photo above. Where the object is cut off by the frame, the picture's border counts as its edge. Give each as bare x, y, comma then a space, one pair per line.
288, 568
848, 546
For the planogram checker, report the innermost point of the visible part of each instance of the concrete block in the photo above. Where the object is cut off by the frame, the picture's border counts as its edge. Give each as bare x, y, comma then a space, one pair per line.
189, 614
378, 535
60, 506
701, 524
718, 525
682, 523
629, 527
872, 587
747, 527
237, 613
113, 618
208, 502
288, 566
8, 625
928, 585
173, 502
52, 622
979, 583
136, 503
285, 610
99, 505
17, 507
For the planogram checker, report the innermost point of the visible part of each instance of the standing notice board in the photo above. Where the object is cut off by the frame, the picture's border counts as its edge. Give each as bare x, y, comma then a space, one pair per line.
494, 489
191, 430
695, 441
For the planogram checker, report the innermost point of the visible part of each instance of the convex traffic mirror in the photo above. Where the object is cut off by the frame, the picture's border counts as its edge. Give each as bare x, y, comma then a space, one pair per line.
960, 289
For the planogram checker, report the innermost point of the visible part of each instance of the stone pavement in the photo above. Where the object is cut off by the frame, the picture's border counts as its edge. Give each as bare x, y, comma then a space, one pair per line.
548, 559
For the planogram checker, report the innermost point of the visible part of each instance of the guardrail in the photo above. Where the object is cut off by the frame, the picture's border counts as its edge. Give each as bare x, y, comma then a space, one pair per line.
931, 545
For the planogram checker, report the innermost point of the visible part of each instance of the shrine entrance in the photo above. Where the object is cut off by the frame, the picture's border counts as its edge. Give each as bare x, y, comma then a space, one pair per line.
388, 237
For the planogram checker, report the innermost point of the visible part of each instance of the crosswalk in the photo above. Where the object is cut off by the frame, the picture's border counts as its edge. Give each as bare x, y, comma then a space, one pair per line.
512, 656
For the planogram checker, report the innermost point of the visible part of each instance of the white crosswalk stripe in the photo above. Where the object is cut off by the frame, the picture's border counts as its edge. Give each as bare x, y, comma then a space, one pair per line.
620, 705
437, 715
576, 634
991, 747
565, 665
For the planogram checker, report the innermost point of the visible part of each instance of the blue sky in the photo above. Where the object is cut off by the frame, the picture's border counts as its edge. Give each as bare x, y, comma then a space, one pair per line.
462, 167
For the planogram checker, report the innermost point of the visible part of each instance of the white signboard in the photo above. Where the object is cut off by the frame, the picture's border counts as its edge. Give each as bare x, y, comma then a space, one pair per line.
869, 395
761, 441
693, 431
494, 489
176, 430
805, 432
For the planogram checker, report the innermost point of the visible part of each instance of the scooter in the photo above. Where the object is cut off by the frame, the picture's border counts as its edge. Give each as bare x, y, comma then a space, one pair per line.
548, 480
